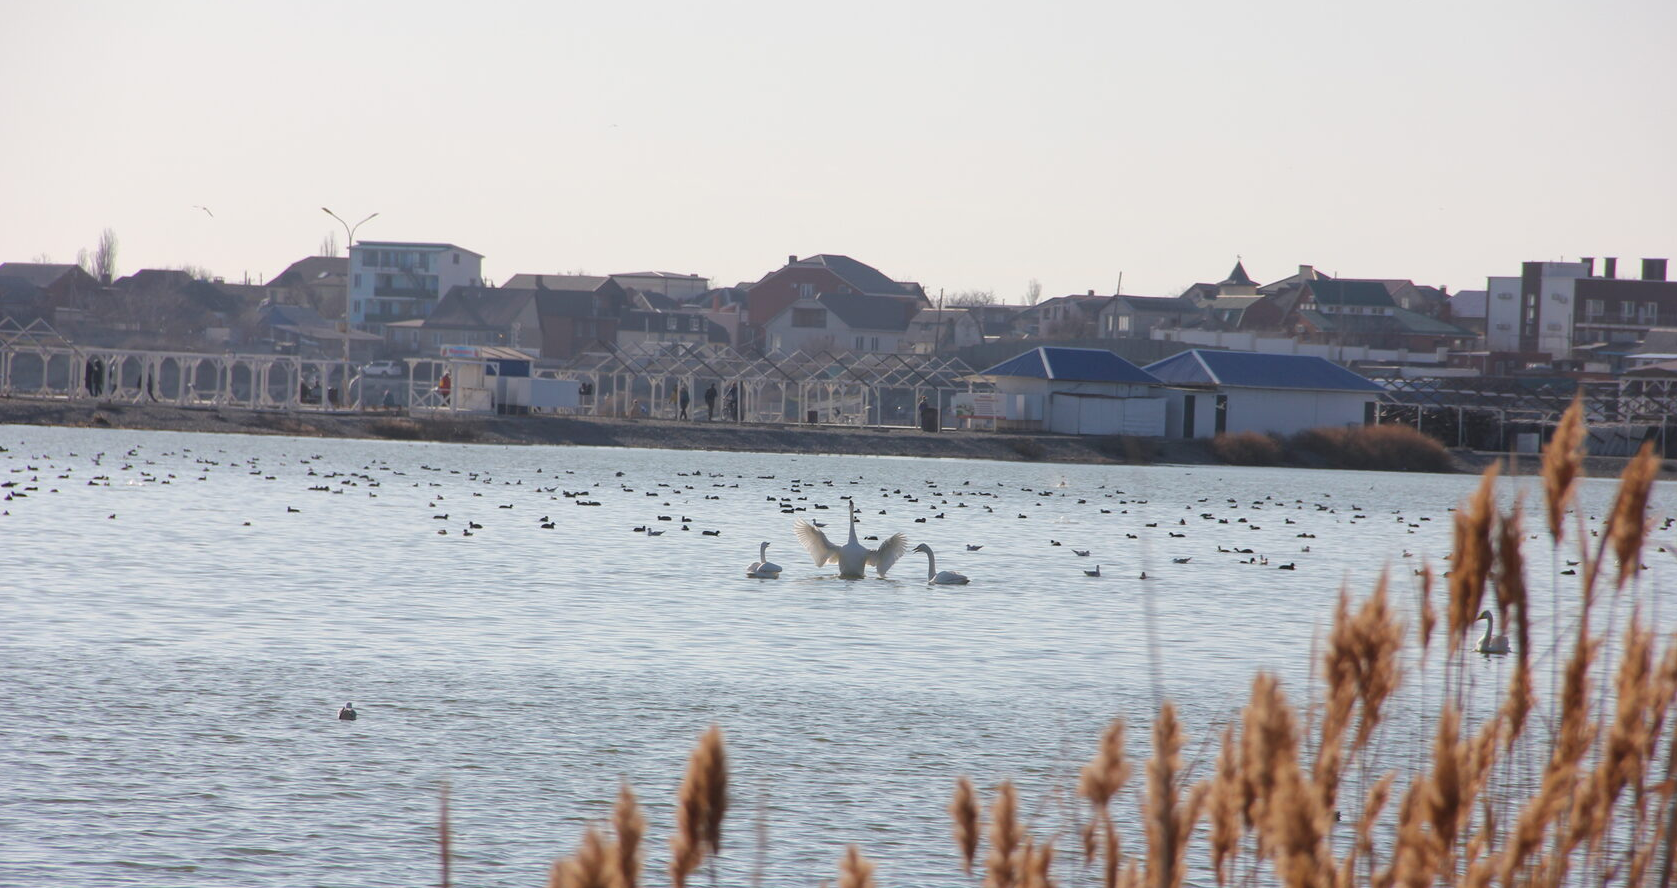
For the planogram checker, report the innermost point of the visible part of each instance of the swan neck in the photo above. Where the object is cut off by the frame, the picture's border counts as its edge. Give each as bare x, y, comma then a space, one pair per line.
931, 563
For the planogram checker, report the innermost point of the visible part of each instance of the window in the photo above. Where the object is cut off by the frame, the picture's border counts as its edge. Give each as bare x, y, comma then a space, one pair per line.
1627, 310
671, 322
358, 281
809, 317
1594, 308
1650, 312
424, 263
456, 258
861, 343
1123, 323
357, 306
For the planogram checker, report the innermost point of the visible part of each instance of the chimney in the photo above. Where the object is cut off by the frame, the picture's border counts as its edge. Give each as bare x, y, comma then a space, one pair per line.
716, 300
1307, 272
1589, 265
1091, 292
1610, 267
792, 259
1653, 269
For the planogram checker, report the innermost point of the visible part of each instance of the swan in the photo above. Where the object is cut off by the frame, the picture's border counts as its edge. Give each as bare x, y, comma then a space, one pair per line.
936, 577
1488, 643
853, 558
763, 568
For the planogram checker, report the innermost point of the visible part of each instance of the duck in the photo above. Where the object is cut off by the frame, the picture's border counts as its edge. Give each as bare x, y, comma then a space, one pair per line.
1093, 573
853, 558
1490, 643
935, 577
347, 713
763, 568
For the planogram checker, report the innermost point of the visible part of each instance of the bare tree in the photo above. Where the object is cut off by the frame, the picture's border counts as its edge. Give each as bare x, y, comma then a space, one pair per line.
1033, 291
104, 256
84, 260
329, 244
972, 297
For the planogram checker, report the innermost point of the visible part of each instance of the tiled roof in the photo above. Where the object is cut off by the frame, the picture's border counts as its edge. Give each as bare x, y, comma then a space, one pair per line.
1401, 321
1254, 370
495, 307
588, 282
865, 278
1073, 364
1343, 292
40, 274
310, 269
861, 311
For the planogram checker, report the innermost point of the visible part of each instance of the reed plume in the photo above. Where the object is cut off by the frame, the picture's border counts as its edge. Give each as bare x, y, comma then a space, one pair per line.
1101, 779
855, 871
630, 827
1627, 525
1170, 821
963, 809
1268, 744
1225, 808
1510, 579
1429, 615
593, 866
1005, 836
1471, 557
1563, 462
444, 838
1362, 847
701, 803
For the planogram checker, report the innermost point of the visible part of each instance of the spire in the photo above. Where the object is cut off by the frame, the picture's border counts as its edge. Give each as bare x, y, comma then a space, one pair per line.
1238, 276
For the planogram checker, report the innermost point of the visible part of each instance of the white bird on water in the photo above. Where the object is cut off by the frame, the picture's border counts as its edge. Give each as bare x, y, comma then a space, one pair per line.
937, 577
1489, 643
853, 558
763, 568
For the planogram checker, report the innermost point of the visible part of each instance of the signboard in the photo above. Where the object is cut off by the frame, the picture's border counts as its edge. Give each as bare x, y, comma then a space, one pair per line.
978, 405
459, 351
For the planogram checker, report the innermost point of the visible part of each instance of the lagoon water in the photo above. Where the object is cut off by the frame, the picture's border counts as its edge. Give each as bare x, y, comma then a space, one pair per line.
175, 643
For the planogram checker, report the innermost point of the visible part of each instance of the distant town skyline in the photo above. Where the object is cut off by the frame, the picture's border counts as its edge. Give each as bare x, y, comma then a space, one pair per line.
962, 147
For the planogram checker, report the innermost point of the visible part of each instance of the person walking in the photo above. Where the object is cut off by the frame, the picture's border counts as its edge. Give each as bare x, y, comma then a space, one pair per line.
710, 402
682, 397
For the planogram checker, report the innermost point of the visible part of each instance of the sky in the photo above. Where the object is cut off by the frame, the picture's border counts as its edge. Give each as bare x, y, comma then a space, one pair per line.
965, 145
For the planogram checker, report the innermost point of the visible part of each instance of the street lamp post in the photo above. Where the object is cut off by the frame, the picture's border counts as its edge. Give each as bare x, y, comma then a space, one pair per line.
349, 234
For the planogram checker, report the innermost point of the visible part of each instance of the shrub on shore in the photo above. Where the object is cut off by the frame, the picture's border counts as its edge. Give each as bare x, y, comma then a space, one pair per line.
1247, 449
423, 430
1389, 448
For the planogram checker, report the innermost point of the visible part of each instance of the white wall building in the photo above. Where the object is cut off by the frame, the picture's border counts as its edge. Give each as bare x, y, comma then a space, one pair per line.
841, 322
1078, 391
1226, 391
399, 280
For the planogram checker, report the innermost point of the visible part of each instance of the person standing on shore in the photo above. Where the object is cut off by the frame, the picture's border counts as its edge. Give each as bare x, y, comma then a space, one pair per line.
710, 402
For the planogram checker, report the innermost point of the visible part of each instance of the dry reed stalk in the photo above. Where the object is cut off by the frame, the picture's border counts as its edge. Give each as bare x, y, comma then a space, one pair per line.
701, 803
1510, 580
855, 871
1415, 854
1114, 856
1101, 779
1005, 836
1225, 808
1627, 526
1563, 462
1131, 875
963, 809
1362, 847
443, 835
1429, 615
1040, 873
1445, 798
1621, 761
1170, 821
1297, 828
630, 826
1268, 742
1471, 557
1024, 863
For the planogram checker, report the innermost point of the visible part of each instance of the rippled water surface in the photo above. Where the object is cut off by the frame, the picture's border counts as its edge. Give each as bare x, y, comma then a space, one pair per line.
182, 615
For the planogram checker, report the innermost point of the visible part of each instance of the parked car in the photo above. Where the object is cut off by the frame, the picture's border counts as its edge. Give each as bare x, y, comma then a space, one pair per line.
384, 368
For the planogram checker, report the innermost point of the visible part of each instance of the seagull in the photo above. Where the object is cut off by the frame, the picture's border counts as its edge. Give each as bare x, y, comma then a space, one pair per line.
853, 558
205, 209
1093, 573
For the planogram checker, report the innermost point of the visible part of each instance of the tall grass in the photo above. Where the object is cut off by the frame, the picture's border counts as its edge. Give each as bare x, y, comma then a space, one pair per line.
1587, 797
1394, 448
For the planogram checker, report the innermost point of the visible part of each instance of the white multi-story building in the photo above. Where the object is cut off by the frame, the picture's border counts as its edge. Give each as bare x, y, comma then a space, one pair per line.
398, 280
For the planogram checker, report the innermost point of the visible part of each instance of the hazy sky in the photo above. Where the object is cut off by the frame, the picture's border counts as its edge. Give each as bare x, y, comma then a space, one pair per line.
960, 144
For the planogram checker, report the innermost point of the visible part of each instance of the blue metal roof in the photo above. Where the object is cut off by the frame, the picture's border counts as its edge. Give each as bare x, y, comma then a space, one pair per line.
1253, 370
1073, 364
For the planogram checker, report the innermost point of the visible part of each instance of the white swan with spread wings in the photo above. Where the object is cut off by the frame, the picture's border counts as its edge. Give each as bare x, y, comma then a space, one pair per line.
853, 558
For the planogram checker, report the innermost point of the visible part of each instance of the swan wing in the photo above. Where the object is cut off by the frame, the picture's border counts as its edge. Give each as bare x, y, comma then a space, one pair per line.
888, 552
815, 541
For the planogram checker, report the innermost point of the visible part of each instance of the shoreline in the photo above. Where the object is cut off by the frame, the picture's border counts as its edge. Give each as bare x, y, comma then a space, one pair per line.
678, 435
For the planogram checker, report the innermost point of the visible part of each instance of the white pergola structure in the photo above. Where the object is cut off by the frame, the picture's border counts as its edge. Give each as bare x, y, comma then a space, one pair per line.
37, 362
829, 387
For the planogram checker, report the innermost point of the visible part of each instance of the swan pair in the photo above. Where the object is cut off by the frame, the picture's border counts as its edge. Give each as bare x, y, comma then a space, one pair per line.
853, 558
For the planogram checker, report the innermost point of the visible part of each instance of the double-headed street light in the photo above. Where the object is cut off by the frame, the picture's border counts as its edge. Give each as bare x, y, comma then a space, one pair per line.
349, 233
